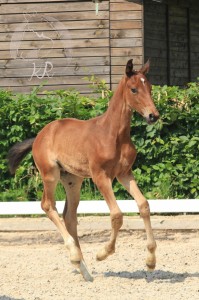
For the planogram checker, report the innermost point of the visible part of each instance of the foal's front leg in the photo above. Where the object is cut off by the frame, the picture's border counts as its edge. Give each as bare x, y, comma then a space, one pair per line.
104, 185
128, 181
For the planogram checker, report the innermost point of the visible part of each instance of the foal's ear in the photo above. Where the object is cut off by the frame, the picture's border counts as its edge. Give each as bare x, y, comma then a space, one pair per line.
145, 69
129, 68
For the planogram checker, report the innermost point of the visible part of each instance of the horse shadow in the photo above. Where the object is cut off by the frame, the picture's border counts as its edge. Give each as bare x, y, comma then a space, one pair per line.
157, 275
9, 298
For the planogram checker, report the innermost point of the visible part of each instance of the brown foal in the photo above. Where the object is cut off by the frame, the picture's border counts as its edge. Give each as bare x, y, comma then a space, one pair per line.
70, 150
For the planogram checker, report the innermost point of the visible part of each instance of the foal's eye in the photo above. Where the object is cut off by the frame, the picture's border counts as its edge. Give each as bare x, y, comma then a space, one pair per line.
134, 91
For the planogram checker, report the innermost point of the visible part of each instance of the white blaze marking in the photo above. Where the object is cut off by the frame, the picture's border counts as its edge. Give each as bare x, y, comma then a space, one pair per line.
143, 80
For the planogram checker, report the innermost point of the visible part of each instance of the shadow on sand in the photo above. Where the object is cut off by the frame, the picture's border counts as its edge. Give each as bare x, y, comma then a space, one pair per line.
157, 275
9, 298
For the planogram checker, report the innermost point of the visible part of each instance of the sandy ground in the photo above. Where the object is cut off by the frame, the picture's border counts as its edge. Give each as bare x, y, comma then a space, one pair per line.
34, 263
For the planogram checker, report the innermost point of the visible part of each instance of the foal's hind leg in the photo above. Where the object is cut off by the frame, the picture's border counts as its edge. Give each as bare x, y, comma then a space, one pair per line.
72, 185
50, 180
129, 183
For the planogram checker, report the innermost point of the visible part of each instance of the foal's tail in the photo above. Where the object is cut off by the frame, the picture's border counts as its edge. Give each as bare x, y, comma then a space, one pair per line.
17, 153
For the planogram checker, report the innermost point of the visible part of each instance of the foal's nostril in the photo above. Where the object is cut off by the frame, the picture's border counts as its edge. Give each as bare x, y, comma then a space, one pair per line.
153, 118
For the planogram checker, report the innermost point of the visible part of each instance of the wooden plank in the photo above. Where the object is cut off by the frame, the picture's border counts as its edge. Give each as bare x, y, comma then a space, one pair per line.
63, 80
83, 89
126, 24
58, 26
131, 42
60, 16
125, 33
125, 6
57, 71
51, 7
120, 70
124, 1
58, 62
75, 52
126, 15
127, 51
54, 35
121, 61
50, 44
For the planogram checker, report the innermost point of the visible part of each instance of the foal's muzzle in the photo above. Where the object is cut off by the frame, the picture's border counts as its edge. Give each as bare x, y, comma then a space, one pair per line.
152, 118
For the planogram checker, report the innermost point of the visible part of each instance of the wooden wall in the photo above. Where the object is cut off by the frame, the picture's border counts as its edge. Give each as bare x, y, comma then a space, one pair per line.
57, 41
62, 41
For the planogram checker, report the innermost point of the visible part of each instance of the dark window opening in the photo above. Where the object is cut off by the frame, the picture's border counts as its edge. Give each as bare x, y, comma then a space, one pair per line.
171, 40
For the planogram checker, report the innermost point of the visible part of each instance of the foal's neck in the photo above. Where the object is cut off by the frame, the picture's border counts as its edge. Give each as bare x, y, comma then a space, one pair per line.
117, 118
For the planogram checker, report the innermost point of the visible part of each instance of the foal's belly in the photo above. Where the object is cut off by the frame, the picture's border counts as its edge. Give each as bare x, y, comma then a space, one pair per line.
78, 171
76, 165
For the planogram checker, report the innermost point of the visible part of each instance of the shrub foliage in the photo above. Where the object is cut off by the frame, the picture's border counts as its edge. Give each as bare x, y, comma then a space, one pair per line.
167, 164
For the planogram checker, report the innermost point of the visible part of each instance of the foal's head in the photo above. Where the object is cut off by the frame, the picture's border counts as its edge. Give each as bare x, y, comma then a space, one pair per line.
138, 92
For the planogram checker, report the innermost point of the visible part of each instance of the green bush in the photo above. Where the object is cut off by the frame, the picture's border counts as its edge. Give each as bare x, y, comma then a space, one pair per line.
167, 162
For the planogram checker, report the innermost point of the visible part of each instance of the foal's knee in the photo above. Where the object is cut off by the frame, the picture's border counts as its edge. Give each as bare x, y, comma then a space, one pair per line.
144, 209
47, 205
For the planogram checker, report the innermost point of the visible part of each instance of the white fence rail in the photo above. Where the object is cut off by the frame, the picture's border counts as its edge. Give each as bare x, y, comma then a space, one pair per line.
98, 207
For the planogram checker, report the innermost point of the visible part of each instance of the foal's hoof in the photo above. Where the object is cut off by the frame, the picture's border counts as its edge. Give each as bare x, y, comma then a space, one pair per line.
103, 254
151, 262
150, 267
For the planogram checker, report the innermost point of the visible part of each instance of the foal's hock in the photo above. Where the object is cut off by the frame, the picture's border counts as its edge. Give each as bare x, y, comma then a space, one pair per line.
70, 150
